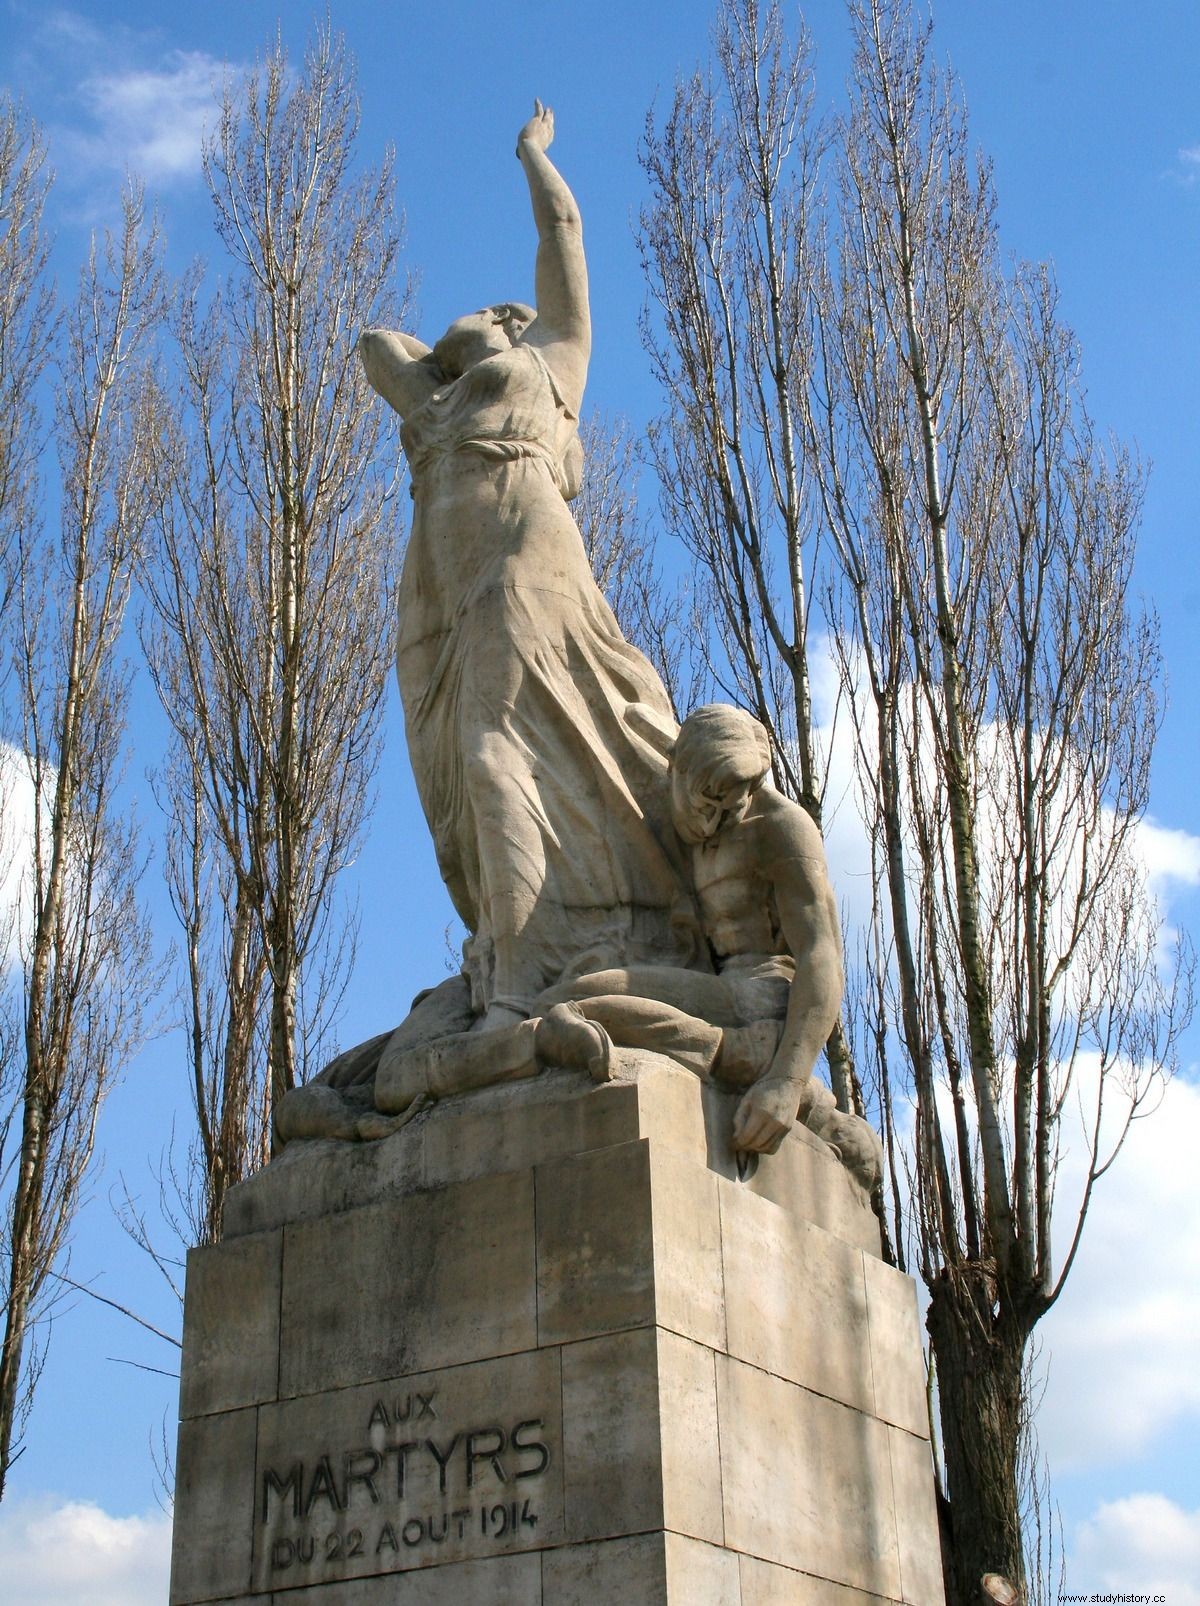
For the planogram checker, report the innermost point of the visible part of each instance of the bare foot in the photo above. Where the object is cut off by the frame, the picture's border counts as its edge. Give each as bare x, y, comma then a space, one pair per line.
566, 1038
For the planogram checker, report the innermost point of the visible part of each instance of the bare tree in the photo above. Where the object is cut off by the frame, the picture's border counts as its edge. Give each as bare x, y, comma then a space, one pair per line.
1000, 683
25, 325
25, 331
986, 540
84, 946
269, 638
621, 551
727, 243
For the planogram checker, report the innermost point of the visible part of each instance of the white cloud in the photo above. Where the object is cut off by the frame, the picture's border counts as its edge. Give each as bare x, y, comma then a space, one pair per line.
1143, 1544
1170, 855
1124, 1329
72, 1553
148, 120
125, 101
1187, 166
153, 120
16, 831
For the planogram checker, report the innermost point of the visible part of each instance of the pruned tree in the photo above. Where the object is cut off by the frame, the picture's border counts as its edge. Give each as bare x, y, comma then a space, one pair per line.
269, 635
83, 944
986, 541
999, 679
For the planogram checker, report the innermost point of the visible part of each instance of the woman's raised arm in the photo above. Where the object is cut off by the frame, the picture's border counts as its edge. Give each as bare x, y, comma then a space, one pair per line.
400, 367
562, 330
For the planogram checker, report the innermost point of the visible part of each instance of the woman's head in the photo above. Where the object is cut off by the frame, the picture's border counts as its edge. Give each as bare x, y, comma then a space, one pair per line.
719, 759
481, 334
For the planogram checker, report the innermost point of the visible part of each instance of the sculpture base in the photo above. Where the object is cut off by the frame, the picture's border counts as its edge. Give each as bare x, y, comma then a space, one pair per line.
544, 1345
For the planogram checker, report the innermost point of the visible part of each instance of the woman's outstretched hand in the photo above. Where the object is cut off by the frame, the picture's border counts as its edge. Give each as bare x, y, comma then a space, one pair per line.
539, 130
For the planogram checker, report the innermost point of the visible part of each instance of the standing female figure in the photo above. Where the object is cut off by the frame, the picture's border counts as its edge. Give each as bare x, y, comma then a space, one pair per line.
538, 735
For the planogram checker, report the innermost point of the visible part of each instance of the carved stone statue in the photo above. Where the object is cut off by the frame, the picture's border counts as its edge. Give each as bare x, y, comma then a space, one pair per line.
759, 1022
624, 881
538, 735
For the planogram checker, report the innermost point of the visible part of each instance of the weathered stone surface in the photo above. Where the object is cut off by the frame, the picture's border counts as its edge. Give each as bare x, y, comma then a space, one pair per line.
625, 1240
765, 1583
897, 1358
446, 1466
916, 1518
595, 1250
689, 1288
214, 1483
815, 1490
699, 1574
231, 1325
806, 1178
690, 1438
678, 1112
653, 1569
526, 1124
797, 1303
503, 1581
447, 1277
628, 1569
310, 1181
622, 1274
509, 1128
611, 1442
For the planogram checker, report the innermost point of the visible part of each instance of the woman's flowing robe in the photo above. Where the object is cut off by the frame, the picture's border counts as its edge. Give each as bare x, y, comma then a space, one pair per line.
538, 735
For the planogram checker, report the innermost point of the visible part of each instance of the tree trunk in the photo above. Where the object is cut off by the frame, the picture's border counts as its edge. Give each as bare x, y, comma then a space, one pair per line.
980, 1362
24, 1251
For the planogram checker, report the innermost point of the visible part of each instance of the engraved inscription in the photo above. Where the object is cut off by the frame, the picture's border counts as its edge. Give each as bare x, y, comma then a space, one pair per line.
364, 1481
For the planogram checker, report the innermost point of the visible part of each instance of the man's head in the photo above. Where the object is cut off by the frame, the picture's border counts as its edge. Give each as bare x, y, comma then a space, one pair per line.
718, 762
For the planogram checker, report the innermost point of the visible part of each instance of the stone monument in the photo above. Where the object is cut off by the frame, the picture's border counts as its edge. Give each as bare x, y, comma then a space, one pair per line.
569, 1289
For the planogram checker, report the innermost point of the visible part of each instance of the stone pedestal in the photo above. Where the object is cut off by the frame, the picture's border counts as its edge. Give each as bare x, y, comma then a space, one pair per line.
545, 1346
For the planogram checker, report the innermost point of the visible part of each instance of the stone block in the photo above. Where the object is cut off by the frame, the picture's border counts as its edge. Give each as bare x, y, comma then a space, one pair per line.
231, 1325
629, 1569
595, 1250
641, 1443
803, 1177
547, 1345
808, 1179
689, 1290
448, 1466
916, 1518
611, 1442
700, 1574
796, 1298
765, 1583
434, 1279
510, 1129
897, 1356
813, 1493
690, 1439
312, 1180
503, 1581
676, 1110
651, 1569
214, 1477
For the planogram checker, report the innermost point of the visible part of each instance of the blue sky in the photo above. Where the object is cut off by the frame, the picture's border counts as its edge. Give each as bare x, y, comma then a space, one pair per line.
1090, 114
